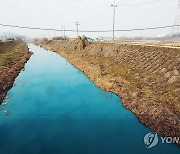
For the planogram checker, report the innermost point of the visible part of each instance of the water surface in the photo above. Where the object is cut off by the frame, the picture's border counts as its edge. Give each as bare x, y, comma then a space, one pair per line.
54, 108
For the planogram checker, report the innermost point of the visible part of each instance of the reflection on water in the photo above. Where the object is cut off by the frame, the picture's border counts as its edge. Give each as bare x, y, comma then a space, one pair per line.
54, 108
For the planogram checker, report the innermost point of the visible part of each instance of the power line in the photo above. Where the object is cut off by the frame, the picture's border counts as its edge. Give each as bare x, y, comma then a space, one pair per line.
150, 28
90, 31
33, 28
141, 3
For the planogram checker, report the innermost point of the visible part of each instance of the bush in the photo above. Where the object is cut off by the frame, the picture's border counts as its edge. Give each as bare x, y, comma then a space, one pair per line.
45, 39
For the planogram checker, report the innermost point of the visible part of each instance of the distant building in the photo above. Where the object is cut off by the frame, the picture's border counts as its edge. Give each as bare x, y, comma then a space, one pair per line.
99, 39
90, 39
10, 39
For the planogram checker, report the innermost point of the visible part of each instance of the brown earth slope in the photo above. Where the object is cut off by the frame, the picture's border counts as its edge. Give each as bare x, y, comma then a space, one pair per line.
13, 56
147, 78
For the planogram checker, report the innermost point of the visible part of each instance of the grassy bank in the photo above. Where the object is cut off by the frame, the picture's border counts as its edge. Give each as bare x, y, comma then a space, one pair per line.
13, 56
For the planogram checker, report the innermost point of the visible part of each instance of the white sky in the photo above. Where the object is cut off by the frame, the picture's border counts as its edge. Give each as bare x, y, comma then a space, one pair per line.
92, 15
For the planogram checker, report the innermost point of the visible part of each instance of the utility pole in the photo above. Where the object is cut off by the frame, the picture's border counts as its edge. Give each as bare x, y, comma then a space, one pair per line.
64, 31
54, 33
77, 24
176, 28
114, 6
49, 35
5, 36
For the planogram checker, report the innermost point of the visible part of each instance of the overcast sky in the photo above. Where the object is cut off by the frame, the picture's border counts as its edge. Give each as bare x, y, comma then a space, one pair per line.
92, 15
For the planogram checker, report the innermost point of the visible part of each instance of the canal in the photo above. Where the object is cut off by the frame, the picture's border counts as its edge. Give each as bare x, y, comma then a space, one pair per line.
54, 108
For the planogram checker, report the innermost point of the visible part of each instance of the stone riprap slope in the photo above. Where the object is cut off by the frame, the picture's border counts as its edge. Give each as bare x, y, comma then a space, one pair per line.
145, 77
155, 70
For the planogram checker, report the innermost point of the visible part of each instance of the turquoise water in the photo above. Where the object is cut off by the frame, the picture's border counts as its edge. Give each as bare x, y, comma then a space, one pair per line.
53, 108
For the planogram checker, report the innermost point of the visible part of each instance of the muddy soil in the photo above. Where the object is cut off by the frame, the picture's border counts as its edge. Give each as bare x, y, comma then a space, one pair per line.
13, 56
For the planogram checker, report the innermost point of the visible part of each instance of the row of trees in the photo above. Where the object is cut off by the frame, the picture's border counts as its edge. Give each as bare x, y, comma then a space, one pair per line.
56, 38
